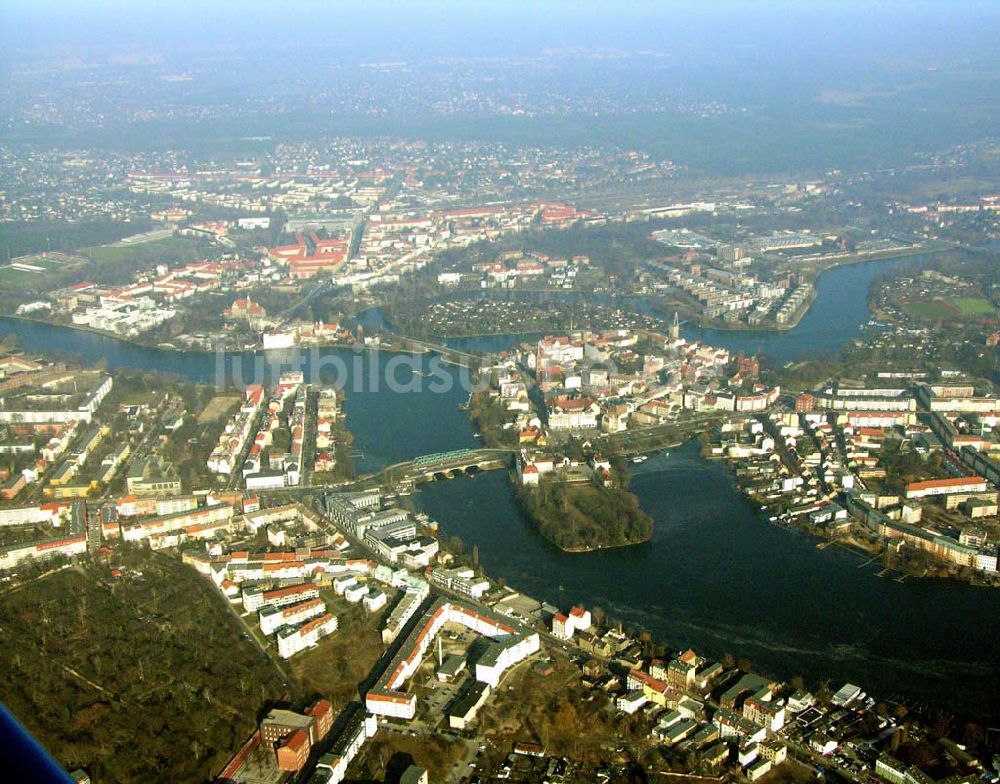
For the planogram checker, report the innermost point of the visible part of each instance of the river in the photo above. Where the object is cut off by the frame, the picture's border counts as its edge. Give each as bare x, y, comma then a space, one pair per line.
719, 578
716, 575
385, 397
836, 317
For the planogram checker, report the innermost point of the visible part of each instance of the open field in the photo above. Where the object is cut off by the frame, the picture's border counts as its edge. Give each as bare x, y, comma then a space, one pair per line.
952, 308
141, 678
936, 309
218, 408
973, 306
341, 661
30, 271
117, 252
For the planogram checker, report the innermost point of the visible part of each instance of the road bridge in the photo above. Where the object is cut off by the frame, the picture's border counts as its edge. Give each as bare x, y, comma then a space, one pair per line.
426, 468
452, 355
444, 465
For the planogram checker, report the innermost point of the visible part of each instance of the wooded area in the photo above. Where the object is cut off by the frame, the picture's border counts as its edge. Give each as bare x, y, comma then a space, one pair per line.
104, 666
586, 516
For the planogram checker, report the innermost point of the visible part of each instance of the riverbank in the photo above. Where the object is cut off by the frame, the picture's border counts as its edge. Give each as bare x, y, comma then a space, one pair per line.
855, 259
394, 347
579, 550
798, 496
834, 317
714, 576
104, 334
717, 577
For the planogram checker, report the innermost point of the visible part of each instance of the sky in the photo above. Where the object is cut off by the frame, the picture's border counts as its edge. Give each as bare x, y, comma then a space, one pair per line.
888, 77
470, 27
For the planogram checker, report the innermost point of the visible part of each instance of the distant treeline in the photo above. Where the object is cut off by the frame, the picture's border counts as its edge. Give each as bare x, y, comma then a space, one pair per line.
25, 237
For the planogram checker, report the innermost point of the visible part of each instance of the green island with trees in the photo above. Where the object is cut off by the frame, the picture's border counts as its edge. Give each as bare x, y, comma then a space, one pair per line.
581, 517
579, 513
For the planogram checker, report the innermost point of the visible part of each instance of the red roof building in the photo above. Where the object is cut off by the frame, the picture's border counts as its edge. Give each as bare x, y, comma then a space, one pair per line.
294, 752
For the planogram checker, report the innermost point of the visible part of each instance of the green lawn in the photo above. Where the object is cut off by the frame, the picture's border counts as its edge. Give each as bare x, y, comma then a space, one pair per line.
117, 252
951, 308
973, 306
18, 278
936, 309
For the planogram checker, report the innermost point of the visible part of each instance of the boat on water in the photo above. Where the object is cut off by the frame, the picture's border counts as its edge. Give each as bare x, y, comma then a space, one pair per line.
639, 459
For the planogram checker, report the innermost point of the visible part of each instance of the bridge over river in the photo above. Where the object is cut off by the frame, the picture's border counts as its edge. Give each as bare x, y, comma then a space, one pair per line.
426, 468
443, 465
449, 355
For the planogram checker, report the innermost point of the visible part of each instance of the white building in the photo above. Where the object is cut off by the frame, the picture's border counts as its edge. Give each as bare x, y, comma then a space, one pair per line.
196, 523
565, 626
502, 654
846, 694
359, 729
986, 561
273, 618
70, 546
293, 640
758, 769
374, 600
774, 751
561, 627
507, 648
249, 224
631, 702
461, 580
29, 515
278, 340
343, 583
573, 417
266, 480
356, 592
747, 753
255, 598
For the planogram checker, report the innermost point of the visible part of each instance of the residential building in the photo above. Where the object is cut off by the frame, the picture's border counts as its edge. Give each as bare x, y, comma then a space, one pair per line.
153, 476
291, 640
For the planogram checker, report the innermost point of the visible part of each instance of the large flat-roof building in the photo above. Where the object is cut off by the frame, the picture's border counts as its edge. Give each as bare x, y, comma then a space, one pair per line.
508, 646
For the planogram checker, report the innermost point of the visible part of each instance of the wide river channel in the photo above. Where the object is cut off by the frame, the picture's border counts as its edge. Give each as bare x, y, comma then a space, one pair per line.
716, 576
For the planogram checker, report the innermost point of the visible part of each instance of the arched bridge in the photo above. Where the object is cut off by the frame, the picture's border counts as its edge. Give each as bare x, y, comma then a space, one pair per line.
445, 465
451, 355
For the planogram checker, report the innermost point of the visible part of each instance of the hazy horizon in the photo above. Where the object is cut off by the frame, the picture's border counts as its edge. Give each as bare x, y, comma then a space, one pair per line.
829, 84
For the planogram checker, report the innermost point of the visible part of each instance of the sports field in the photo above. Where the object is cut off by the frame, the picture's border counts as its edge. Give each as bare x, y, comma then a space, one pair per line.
951, 308
118, 251
973, 306
28, 271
